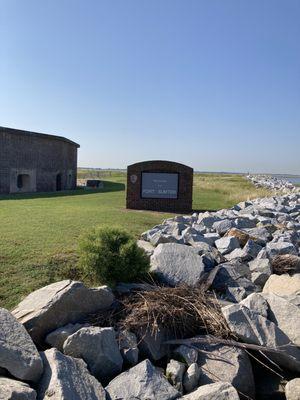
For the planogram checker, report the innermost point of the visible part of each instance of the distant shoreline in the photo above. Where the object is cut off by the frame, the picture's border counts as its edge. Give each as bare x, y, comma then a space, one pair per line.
202, 172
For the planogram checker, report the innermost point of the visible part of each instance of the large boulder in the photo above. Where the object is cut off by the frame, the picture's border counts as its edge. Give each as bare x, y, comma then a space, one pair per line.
98, 348
18, 354
67, 378
15, 390
285, 315
58, 304
143, 382
227, 364
253, 328
214, 391
176, 264
283, 285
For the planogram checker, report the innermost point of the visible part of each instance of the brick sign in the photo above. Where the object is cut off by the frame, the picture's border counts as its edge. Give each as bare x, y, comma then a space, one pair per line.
160, 186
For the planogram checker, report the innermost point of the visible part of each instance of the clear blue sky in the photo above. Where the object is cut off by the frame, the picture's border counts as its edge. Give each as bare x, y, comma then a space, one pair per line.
214, 84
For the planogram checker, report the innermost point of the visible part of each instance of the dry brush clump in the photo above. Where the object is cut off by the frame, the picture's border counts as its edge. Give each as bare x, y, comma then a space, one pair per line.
286, 264
182, 312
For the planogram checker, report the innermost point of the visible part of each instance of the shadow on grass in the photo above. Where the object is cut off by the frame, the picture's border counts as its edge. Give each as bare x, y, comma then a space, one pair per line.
108, 187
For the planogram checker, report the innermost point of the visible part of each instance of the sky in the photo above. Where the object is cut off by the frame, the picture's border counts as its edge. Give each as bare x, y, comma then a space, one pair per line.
214, 84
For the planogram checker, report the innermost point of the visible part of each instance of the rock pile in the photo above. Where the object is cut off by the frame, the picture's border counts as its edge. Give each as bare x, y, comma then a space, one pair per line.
251, 254
254, 249
272, 183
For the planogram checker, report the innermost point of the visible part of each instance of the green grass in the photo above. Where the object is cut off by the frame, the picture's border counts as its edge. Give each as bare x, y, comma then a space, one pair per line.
39, 232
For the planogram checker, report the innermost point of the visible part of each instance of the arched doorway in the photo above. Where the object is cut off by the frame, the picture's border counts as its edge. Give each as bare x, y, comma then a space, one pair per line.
58, 182
23, 182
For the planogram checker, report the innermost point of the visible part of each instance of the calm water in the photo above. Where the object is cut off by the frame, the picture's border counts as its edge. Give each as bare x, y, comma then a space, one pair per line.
294, 179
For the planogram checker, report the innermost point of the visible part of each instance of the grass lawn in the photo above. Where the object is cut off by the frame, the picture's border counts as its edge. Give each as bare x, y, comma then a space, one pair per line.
39, 232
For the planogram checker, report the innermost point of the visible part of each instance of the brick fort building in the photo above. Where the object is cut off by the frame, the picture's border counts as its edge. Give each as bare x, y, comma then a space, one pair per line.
36, 162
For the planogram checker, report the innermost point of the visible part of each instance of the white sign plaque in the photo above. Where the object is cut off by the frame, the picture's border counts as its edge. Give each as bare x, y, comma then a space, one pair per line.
157, 185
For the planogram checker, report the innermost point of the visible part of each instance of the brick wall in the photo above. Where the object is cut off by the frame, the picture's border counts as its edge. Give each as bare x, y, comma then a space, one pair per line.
42, 157
182, 204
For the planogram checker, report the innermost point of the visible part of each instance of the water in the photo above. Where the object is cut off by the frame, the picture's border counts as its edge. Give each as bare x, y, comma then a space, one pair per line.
295, 180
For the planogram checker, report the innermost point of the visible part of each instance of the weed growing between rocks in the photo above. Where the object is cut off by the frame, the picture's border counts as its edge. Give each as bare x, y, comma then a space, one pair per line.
108, 255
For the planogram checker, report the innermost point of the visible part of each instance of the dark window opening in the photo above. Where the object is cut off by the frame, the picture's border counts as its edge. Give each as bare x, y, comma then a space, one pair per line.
23, 182
20, 181
58, 182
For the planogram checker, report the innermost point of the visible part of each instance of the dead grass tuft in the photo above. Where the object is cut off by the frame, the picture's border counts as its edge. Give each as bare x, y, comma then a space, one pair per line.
182, 312
286, 264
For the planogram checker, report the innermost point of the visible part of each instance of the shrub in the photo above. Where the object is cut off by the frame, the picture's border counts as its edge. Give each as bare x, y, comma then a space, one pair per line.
110, 255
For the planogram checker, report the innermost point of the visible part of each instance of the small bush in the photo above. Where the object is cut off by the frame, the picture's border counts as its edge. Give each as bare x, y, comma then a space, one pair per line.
110, 255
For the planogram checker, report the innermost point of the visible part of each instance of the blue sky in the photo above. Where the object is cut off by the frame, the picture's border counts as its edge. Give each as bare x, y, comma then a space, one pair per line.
214, 84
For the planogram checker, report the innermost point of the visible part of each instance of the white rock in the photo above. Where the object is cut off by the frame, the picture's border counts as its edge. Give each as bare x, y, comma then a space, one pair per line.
237, 254
67, 378
226, 364
292, 389
58, 304
256, 303
214, 391
211, 237
18, 354
221, 227
143, 382
176, 264
260, 271
252, 328
227, 244
283, 285
56, 338
98, 348
174, 372
207, 220
146, 246
278, 248
285, 315
15, 390
191, 378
